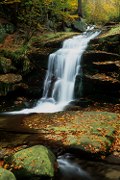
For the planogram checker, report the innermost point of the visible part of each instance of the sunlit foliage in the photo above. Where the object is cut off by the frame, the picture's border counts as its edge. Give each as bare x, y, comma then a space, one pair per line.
101, 11
52, 13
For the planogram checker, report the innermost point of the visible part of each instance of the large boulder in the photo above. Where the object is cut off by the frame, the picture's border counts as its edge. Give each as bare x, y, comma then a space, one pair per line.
6, 175
31, 162
9, 82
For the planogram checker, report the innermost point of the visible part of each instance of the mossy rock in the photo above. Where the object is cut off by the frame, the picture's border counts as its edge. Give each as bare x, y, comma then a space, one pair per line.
8, 83
5, 65
6, 175
31, 162
10, 78
79, 25
107, 41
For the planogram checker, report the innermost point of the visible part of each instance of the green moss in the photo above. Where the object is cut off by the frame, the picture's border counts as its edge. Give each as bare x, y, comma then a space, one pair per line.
34, 161
5, 65
26, 65
113, 31
19, 59
6, 175
72, 140
52, 37
96, 143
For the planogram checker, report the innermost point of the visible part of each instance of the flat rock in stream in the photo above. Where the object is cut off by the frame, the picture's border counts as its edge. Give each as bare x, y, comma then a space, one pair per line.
90, 131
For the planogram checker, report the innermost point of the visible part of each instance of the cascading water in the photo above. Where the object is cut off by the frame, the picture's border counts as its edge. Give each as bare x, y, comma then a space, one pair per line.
63, 66
69, 170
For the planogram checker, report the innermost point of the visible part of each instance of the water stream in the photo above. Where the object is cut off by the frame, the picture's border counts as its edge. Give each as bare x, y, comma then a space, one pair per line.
63, 66
70, 170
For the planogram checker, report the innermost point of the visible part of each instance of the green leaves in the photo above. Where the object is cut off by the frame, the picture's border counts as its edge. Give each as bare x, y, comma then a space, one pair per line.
100, 11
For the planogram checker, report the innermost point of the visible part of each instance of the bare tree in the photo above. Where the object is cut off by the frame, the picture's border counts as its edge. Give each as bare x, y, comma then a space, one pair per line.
80, 14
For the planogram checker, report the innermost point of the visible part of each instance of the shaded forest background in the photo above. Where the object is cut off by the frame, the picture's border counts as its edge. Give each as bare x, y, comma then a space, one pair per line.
55, 14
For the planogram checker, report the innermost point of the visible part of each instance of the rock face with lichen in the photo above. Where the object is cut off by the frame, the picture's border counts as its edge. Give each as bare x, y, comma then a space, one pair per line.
100, 77
35, 161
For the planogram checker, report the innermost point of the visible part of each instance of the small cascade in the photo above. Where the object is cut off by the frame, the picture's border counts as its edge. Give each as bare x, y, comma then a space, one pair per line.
69, 170
63, 66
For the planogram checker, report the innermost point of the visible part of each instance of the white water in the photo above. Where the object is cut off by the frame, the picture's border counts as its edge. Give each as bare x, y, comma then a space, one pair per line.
63, 66
70, 170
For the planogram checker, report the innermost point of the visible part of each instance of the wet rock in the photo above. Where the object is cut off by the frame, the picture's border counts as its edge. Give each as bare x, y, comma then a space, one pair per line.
113, 159
81, 103
100, 78
100, 66
100, 86
101, 170
98, 56
106, 43
113, 175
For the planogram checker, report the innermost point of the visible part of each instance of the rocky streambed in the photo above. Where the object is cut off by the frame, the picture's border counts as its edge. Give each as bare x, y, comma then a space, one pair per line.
93, 138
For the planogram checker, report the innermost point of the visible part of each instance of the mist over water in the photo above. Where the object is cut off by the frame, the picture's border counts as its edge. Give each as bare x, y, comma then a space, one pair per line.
63, 66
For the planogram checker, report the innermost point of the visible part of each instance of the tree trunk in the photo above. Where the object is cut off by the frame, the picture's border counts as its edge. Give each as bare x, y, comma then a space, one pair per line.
80, 8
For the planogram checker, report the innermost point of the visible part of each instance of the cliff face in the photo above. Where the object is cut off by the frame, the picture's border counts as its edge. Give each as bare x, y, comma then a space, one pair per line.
101, 68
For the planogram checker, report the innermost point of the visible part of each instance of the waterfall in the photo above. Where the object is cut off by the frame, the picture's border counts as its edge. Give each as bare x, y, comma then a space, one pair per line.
63, 66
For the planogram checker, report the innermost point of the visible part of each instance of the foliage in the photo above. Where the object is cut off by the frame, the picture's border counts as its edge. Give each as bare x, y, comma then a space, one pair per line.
33, 12
113, 31
101, 11
32, 15
51, 38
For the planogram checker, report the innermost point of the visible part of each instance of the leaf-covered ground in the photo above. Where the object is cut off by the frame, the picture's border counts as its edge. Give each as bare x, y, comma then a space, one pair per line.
91, 131
94, 132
